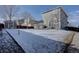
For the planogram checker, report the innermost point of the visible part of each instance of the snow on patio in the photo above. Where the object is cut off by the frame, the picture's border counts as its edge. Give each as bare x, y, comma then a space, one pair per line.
41, 40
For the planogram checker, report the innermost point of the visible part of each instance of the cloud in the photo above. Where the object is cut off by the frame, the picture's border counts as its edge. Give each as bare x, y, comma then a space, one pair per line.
74, 18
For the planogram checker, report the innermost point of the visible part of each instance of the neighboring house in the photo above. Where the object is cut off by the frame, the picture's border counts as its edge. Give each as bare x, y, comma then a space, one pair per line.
20, 23
27, 23
39, 25
56, 18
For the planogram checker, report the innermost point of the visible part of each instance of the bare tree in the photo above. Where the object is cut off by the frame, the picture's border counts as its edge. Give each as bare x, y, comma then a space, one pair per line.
8, 12
26, 16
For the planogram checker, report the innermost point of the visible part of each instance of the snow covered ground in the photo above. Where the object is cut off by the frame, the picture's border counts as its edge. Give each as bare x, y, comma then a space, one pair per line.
8, 45
57, 35
41, 40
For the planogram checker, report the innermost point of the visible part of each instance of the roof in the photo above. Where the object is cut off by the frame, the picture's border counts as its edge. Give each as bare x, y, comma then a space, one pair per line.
55, 9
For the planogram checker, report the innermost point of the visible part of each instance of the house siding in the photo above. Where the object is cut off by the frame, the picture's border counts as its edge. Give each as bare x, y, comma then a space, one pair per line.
56, 19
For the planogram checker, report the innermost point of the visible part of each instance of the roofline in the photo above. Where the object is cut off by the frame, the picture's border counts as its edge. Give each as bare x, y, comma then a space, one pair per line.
55, 9
64, 11
51, 10
47, 11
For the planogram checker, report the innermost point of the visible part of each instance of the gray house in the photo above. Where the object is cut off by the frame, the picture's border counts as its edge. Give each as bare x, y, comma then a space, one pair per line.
56, 18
